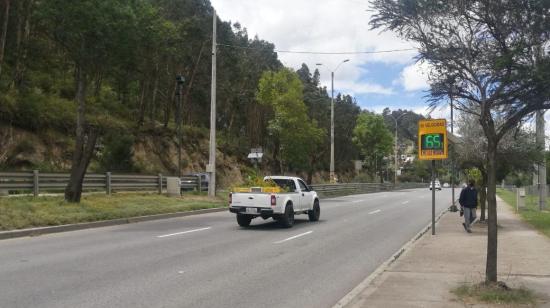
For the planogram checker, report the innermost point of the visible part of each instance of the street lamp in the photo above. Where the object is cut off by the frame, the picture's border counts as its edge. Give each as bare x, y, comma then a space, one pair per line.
332, 175
395, 146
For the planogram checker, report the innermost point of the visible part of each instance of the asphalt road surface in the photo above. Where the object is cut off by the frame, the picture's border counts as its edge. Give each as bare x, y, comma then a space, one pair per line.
209, 261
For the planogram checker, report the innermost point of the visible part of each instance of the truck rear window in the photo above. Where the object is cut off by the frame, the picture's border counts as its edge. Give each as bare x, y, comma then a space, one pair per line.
287, 185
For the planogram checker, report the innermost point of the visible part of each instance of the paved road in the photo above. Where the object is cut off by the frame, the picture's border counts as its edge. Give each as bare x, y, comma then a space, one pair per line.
209, 261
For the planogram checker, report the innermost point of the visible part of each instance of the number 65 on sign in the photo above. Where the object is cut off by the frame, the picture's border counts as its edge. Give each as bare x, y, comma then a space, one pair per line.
432, 139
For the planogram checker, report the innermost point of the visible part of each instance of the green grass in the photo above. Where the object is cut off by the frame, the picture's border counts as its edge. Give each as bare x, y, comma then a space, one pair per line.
494, 294
530, 213
27, 212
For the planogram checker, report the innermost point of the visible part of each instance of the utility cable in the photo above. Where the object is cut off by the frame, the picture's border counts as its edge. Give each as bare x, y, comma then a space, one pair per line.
319, 52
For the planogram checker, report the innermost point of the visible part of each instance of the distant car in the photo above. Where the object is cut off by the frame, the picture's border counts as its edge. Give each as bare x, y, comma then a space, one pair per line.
187, 184
446, 185
437, 185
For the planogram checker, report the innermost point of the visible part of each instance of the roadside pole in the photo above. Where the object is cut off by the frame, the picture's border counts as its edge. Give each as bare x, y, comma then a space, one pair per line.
433, 197
211, 168
433, 145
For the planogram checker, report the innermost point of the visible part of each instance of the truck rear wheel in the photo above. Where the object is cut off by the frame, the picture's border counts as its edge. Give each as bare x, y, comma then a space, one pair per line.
315, 212
244, 220
287, 220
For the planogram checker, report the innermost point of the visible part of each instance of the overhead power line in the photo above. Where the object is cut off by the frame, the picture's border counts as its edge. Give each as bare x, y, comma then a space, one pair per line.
319, 52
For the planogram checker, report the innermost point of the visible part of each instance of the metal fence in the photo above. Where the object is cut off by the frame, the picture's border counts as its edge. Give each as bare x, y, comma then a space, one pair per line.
37, 182
362, 188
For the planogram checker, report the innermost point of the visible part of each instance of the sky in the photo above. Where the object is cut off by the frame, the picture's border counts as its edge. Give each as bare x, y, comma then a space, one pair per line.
394, 80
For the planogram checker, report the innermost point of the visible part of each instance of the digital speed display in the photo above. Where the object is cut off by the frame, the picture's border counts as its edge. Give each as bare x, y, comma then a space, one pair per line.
432, 142
432, 139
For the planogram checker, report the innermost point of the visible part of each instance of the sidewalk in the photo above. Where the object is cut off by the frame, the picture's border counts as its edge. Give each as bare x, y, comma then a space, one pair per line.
424, 275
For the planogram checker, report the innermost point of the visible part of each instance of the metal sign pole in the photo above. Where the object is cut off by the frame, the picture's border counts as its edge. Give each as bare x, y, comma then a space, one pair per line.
433, 197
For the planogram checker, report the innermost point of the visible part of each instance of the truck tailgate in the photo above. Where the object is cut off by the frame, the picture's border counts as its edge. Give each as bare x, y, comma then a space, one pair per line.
251, 200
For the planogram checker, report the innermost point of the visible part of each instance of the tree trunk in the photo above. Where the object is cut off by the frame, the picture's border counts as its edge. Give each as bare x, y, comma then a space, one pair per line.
86, 138
153, 109
483, 196
98, 82
4, 32
21, 50
190, 85
141, 116
492, 236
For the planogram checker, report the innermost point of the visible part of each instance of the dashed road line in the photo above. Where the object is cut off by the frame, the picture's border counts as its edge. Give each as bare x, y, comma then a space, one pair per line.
184, 232
293, 237
405, 202
374, 212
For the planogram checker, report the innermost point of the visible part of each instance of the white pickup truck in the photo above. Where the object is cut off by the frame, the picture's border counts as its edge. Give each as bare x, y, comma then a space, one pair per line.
298, 198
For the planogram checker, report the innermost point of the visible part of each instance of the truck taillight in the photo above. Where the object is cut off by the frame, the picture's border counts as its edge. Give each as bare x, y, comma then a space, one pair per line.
273, 200
230, 198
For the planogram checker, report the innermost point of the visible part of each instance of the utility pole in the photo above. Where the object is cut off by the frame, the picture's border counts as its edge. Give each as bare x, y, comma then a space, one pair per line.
332, 174
453, 205
211, 168
179, 116
395, 155
541, 167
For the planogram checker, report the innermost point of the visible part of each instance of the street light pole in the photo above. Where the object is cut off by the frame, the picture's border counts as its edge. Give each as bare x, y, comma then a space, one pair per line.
332, 174
332, 178
395, 145
395, 153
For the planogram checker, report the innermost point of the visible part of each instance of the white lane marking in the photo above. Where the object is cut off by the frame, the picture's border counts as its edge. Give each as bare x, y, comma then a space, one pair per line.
374, 212
357, 201
293, 237
184, 232
405, 202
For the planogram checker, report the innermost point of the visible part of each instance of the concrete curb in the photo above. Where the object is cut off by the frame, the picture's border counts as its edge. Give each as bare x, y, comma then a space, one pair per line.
105, 223
348, 298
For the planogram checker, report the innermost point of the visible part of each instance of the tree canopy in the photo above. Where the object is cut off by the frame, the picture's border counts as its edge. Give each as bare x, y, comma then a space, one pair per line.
488, 55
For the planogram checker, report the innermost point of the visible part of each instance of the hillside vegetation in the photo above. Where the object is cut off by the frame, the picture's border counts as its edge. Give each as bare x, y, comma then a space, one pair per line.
111, 66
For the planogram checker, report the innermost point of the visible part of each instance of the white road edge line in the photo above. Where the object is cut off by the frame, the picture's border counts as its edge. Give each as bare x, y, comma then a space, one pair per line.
184, 232
357, 201
374, 212
293, 237
405, 202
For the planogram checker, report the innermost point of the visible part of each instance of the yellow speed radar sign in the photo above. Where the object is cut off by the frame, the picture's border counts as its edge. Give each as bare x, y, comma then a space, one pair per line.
432, 139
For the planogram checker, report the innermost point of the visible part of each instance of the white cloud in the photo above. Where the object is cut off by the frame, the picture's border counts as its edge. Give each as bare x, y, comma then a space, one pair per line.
358, 88
319, 25
414, 77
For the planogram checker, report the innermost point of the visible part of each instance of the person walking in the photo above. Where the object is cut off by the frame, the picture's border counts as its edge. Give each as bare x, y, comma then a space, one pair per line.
468, 204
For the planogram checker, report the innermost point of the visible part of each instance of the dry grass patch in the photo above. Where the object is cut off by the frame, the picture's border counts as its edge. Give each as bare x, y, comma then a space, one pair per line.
497, 293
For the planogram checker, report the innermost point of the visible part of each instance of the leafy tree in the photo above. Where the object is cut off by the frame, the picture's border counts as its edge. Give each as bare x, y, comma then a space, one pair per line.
92, 34
318, 108
4, 31
487, 55
296, 135
372, 138
118, 153
346, 113
471, 152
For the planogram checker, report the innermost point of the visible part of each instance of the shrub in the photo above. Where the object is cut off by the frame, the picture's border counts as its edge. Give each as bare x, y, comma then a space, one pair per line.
117, 152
